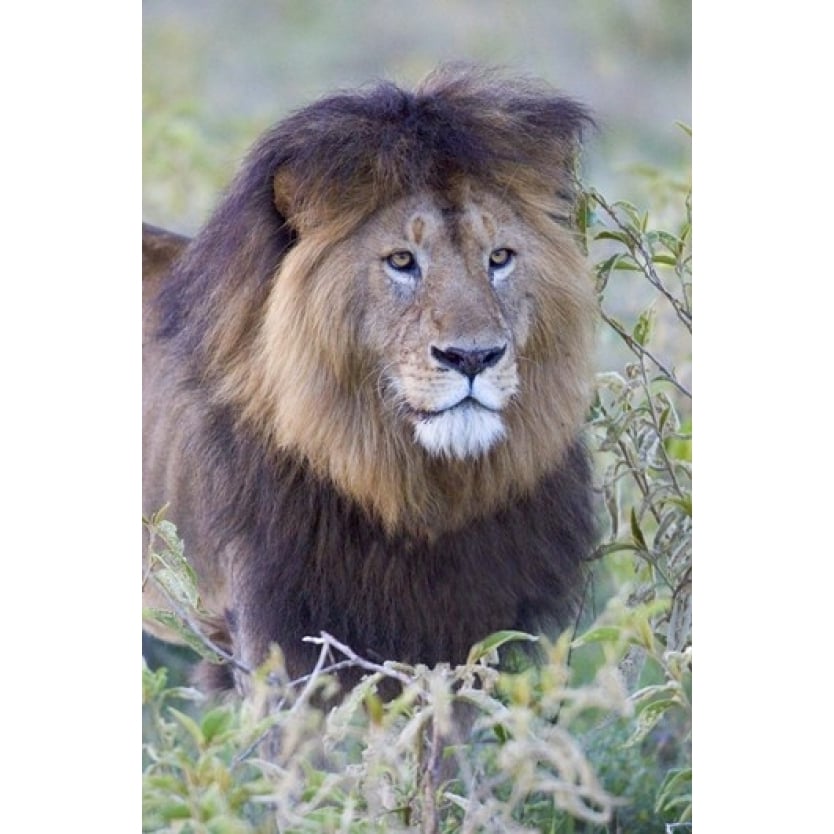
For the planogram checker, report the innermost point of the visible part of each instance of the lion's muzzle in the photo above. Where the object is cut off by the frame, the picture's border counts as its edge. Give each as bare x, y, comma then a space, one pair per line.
468, 362
461, 413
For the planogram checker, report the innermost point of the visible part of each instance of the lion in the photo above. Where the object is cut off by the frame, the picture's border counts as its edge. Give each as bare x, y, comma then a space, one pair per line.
366, 377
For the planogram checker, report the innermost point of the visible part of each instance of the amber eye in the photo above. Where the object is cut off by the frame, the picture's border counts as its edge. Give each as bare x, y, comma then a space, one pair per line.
500, 257
401, 261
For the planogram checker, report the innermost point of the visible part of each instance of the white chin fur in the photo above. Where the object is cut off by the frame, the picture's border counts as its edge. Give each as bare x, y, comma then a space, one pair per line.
466, 431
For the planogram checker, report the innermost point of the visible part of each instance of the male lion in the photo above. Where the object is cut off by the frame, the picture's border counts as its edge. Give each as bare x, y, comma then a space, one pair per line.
365, 377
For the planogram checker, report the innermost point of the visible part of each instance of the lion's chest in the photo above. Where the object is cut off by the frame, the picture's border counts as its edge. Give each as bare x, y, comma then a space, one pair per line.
316, 563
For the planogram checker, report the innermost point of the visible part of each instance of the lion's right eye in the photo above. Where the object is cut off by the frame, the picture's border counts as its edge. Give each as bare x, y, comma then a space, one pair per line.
402, 268
401, 261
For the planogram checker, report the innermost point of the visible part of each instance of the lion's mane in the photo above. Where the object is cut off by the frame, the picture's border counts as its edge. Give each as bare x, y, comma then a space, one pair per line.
302, 509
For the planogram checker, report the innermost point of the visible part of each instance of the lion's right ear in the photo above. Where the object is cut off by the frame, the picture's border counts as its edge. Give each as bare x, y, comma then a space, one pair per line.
302, 206
306, 204
285, 196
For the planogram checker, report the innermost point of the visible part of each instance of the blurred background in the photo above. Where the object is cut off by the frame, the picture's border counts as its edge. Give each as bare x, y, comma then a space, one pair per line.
215, 74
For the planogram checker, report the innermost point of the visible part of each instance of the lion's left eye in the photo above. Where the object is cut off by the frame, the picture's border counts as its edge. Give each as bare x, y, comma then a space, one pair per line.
500, 257
500, 260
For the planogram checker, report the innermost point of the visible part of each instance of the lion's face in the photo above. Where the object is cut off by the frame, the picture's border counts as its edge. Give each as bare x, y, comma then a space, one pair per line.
438, 336
447, 311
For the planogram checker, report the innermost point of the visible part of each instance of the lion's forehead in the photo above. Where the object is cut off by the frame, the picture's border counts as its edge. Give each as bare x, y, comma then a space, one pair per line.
430, 221
458, 224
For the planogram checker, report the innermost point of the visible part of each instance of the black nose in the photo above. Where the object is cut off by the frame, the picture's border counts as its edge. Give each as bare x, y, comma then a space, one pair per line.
468, 362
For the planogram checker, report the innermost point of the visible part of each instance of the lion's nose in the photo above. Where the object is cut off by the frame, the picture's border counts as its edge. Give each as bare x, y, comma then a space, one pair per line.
468, 362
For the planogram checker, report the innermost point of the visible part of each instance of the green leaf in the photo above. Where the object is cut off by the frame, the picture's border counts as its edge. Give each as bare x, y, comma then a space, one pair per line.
672, 243
684, 502
165, 782
627, 264
620, 237
604, 267
179, 583
675, 782
642, 332
647, 720
153, 683
216, 722
651, 693
679, 447
495, 641
601, 634
190, 725
584, 215
170, 568
617, 547
167, 532
632, 212
228, 825
186, 634
174, 811
664, 416
375, 708
636, 532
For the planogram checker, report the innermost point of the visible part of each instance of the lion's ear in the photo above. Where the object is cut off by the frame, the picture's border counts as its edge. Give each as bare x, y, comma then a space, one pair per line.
292, 199
285, 196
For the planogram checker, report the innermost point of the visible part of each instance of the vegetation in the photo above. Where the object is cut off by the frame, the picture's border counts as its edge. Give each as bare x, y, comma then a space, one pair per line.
594, 740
